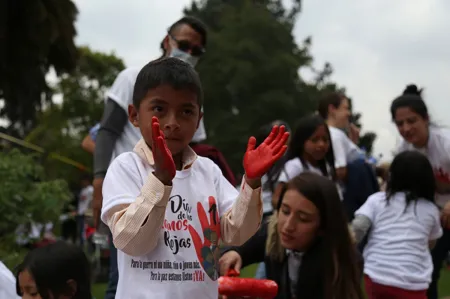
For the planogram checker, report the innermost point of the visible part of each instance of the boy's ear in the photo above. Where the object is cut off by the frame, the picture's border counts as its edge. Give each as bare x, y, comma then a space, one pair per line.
133, 115
199, 118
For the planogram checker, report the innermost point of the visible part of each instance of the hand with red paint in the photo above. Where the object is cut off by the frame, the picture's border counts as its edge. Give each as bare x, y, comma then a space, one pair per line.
208, 248
257, 161
164, 165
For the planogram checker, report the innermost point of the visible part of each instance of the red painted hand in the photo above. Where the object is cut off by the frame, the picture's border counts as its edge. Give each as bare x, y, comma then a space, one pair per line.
164, 165
208, 249
258, 161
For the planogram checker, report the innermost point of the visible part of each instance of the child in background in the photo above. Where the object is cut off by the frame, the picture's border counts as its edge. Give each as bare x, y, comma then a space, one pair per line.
57, 271
166, 207
309, 149
404, 224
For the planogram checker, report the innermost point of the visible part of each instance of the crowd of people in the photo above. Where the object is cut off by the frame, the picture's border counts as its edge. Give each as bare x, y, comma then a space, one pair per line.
310, 209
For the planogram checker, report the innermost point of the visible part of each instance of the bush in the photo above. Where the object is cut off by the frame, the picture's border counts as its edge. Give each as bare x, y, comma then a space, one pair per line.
25, 197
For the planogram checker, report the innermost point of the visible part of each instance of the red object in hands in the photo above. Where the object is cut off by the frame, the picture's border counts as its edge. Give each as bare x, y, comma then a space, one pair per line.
161, 154
257, 161
231, 285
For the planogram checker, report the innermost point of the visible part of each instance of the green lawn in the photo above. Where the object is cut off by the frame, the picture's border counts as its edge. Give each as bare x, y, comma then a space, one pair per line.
444, 282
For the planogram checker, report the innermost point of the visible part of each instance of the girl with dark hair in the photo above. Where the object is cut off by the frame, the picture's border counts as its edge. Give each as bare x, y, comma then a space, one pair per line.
410, 114
309, 149
306, 245
56, 271
404, 223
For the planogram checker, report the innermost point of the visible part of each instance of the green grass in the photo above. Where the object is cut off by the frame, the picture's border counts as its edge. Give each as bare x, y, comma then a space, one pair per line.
444, 282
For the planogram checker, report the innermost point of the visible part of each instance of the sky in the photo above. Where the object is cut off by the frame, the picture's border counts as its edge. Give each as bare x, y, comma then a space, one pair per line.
376, 48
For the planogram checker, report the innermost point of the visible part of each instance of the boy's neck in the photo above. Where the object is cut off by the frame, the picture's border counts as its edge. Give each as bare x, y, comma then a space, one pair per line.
178, 160
331, 123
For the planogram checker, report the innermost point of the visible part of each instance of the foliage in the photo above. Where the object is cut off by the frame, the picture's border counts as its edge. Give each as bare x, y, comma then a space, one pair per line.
26, 195
63, 126
34, 37
250, 73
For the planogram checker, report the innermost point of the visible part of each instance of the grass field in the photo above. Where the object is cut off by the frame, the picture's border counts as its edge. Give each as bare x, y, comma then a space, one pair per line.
444, 282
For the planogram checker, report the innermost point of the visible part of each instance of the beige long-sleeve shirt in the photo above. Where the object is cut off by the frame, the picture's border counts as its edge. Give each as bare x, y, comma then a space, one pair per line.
136, 226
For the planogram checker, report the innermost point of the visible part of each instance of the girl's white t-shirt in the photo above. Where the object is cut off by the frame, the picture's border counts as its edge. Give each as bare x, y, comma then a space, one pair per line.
7, 283
397, 253
294, 167
438, 153
173, 269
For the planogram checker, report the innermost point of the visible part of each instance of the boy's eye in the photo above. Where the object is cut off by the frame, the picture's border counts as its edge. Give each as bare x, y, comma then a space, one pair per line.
157, 109
188, 112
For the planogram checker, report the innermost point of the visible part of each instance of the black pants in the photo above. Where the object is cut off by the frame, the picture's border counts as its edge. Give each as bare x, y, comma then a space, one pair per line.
439, 254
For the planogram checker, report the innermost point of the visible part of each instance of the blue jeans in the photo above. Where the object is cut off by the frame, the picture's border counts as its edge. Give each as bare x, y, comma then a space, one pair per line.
439, 254
113, 271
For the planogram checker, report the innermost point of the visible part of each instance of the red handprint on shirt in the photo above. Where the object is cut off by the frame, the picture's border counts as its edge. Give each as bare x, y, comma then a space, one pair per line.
207, 250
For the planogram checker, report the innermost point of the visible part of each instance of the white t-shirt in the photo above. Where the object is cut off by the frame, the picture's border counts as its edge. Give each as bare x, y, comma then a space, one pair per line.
172, 270
397, 253
266, 196
438, 153
7, 283
294, 167
344, 149
122, 93
84, 202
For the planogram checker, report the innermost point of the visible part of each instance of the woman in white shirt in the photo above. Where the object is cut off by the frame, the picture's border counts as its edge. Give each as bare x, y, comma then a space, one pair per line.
410, 114
404, 223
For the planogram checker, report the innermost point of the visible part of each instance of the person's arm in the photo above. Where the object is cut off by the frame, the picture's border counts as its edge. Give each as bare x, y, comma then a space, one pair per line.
365, 217
436, 231
113, 122
253, 251
111, 127
340, 156
360, 226
88, 144
243, 219
134, 213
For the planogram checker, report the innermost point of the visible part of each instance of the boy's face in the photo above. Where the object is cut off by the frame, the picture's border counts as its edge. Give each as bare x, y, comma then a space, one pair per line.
178, 112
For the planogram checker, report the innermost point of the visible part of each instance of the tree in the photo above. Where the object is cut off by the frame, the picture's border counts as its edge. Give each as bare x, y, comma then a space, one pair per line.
250, 74
63, 126
25, 195
34, 37
250, 78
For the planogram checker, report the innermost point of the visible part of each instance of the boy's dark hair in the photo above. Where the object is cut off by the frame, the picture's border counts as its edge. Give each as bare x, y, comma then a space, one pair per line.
194, 23
412, 99
411, 173
332, 98
167, 71
53, 265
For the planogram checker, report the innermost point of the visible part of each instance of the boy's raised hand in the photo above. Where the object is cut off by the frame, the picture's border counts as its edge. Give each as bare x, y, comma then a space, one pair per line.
164, 165
257, 161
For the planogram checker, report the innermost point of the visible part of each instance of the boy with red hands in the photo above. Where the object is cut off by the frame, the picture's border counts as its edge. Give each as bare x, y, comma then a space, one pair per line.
168, 208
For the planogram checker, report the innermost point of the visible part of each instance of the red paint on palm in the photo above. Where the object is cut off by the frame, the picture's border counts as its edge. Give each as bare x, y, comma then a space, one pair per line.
164, 164
257, 161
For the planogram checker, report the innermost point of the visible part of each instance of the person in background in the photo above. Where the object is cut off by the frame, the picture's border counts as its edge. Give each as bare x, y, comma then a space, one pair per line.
88, 143
410, 114
306, 245
186, 40
84, 204
335, 109
310, 149
57, 271
403, 222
